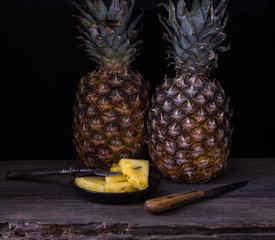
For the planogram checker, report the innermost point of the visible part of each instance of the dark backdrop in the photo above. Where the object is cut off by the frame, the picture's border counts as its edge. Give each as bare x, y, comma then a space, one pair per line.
42, 65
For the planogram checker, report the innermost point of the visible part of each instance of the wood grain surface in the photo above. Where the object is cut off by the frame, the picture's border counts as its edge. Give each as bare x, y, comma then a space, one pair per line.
49, 208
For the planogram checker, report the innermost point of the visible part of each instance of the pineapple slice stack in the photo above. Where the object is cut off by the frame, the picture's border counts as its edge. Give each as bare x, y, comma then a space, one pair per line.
134, 177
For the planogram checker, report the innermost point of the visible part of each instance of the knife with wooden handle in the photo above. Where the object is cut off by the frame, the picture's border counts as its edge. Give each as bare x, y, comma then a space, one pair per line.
161, 204
43, 172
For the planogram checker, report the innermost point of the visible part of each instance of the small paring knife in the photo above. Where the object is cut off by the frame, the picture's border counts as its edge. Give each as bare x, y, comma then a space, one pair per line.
161, 204
43, 172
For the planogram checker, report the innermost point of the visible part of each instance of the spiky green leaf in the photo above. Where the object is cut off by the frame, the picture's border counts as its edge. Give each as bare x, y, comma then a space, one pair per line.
135, 22
221, 8
172, 12
114, 9
197, 17
180, 6
107, 33
187, 26
84, 13
101, 9
124, 21
205, 6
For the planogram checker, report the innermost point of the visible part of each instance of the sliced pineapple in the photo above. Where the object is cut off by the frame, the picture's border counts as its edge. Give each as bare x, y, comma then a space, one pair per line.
134, 177
115, 168
118, 178
95, 184
136, 172
119, 187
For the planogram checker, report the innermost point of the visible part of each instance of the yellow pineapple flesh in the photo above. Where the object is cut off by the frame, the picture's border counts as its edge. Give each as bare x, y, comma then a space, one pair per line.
136, 172
134, 177
119, 187
115, 168
95, 184
118, 178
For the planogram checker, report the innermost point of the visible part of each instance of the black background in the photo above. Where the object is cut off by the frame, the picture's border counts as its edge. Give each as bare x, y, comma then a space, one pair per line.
42, 65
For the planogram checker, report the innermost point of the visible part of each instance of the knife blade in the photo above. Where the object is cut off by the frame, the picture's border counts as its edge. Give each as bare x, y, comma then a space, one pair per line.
161, 204
43, 172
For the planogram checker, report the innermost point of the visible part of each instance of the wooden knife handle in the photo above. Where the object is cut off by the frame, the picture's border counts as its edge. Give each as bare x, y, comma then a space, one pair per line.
161, 204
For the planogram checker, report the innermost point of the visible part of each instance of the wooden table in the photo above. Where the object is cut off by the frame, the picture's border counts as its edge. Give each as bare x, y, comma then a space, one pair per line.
49, 208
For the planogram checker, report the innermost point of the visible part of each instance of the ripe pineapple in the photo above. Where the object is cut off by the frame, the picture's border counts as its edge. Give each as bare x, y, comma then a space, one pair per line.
112, 101
189, 122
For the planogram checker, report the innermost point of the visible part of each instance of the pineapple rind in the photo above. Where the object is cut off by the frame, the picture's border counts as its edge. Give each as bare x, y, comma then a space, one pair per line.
189, 125
109, 123
112, 102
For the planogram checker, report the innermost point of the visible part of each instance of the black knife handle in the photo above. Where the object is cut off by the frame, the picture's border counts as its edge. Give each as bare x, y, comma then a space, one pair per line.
32, 173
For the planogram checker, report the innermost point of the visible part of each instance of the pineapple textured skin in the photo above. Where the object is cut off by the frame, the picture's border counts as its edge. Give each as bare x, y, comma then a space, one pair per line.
112, 102
110, 113
189, 129
189, 123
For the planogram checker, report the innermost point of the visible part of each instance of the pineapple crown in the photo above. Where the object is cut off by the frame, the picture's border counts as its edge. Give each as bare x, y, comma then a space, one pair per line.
108, 34
195, 35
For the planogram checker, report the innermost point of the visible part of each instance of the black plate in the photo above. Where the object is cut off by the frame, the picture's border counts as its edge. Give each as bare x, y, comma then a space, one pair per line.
115, 198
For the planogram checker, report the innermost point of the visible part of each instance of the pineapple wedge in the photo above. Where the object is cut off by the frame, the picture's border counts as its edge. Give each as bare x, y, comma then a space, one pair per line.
95, 184
115, 168
136, 172
118, 178
134, 177
119, 187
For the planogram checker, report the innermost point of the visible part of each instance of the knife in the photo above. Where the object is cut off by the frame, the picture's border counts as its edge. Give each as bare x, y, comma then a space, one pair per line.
161, 204
43, 172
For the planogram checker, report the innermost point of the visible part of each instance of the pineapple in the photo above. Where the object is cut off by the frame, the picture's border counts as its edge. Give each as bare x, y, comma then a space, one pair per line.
112, 101
96, 184
136, 172
119, 187
134, 177
104, 184
115, 168
118, 178
189, 121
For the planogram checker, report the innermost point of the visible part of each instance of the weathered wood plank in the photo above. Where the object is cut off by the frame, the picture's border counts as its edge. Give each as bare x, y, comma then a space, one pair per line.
206, 213
50, 208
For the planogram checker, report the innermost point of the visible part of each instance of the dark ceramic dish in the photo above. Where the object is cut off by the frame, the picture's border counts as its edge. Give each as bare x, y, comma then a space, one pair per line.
116, 198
